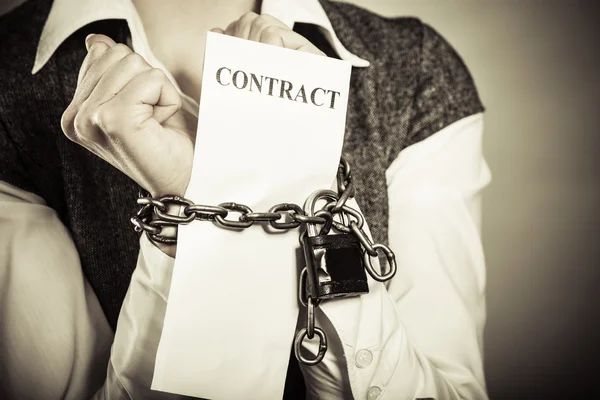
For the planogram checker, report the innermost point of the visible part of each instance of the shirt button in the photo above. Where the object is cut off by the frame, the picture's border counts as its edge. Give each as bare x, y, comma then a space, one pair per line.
373, 393
363, 358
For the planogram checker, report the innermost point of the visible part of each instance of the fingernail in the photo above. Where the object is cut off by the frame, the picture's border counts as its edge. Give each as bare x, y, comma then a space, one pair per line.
87, 38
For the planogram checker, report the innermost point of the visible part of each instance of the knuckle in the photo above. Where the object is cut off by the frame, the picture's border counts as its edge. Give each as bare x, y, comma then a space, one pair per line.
67, 122
266, 20
262, 18
232, 26
134, 61
271, 31
98, 46
120, 48
104, 119
248, 17
80, 126
156, 74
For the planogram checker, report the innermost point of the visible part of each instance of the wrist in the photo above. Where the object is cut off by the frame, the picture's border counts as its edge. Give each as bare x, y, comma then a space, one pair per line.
169, 249
159, 218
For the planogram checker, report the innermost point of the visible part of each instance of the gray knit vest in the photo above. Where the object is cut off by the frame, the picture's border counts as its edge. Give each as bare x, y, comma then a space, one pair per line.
415, 86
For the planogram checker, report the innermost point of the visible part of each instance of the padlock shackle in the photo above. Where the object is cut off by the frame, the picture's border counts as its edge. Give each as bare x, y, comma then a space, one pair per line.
311, 201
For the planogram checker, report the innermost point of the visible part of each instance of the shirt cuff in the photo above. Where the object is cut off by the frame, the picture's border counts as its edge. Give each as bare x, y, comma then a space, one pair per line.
140, 326
158, 267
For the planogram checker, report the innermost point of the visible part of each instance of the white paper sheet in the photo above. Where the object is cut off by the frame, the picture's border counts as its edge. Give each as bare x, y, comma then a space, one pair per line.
232, 307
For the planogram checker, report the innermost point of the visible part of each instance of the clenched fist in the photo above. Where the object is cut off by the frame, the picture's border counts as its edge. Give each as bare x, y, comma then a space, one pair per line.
129, 114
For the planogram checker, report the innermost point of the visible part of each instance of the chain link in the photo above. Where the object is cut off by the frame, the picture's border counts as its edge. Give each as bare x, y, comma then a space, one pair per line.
344, 177
154, 215
310, 318
205, 213
291, 210
322, 347
260, 217
391, 259
363, 239
163, 215
345, 213
240, 223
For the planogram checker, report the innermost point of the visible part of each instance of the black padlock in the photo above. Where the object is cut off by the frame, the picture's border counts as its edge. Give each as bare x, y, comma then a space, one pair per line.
334, 263
335, 266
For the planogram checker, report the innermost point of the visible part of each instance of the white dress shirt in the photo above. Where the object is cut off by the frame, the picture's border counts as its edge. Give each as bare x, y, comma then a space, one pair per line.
418, 336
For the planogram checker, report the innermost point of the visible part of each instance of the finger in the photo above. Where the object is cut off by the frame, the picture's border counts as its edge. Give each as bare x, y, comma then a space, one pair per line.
98, 38
288, 39
94, 53
67, 121
96, 45
241, 27
97, 70
116, 77
217, 30
231, 28
263, 22
311, 48
154, 95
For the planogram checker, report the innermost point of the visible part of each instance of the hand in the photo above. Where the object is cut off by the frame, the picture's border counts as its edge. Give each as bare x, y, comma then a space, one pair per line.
267, 29
129, 114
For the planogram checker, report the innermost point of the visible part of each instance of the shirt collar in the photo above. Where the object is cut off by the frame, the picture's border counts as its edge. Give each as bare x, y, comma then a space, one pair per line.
67, 16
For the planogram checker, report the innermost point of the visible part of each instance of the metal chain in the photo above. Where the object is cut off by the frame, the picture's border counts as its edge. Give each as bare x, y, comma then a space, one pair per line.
153, 215
350, 221
334, 215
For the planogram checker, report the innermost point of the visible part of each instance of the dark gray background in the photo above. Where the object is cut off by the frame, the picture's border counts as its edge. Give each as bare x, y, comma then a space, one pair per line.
535, 63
